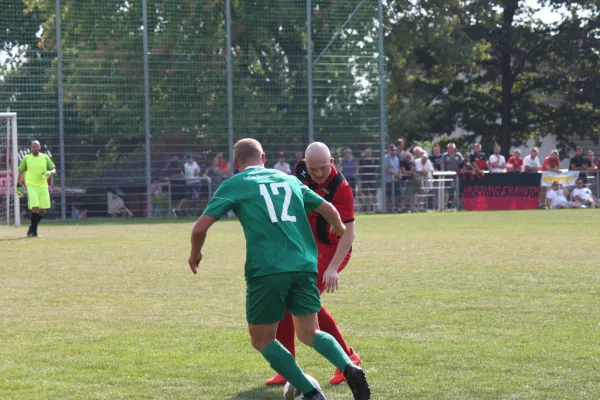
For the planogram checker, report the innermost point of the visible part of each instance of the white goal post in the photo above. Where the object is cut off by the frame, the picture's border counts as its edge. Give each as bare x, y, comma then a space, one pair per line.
9, 201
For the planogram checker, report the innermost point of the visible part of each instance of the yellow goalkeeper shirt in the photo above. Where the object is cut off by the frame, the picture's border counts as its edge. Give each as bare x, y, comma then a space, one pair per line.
34, 168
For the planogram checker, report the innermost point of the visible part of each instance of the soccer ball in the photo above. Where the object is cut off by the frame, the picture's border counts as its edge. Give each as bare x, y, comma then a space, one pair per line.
291, 393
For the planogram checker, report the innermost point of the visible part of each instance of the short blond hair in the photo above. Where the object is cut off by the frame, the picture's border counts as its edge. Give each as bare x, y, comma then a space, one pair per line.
246, 150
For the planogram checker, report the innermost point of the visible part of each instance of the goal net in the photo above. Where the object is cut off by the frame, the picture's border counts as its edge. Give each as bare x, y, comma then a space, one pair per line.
9, 201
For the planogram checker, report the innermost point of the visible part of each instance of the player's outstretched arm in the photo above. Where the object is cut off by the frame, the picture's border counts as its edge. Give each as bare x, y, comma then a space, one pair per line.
332, 216
198, 237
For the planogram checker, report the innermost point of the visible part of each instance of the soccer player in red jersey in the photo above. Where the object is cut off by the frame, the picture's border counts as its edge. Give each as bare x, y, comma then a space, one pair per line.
317, 172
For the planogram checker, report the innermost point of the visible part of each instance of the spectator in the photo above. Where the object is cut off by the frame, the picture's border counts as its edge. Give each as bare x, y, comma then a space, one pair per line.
192, 184
436, 158
155, 192
590, 163
577, 162
173, 169
423, 174
410, 184
281, 164
557, 198
478, 157
417, 151
584, 196
552, 162
515, 162
451, 159
299, 156
393, 177
349, 168
467, 167
497, 162
367, 174
117, 206
77, 213
450, 162
223, 166
400, 152
531, 163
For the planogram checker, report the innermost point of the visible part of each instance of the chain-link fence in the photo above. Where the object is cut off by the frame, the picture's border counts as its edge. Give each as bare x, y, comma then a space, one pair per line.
296, 71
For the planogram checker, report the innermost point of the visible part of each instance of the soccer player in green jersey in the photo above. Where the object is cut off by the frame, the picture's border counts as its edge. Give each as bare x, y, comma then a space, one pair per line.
35, 169
281, 263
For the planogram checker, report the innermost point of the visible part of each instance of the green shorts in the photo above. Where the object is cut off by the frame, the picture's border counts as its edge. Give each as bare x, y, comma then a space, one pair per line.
38, 197
268, 297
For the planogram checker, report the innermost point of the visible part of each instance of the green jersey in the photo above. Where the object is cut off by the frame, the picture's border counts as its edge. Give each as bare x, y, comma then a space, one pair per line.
34, 167
272, 208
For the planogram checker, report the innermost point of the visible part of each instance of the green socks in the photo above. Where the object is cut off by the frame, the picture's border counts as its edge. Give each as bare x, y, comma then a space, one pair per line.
327, 346
284, 363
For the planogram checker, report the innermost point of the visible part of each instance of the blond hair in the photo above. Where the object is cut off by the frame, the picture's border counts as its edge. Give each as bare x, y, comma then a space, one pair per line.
246, 150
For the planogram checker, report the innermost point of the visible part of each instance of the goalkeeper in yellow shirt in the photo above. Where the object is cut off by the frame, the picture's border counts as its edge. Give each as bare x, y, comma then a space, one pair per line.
34, 171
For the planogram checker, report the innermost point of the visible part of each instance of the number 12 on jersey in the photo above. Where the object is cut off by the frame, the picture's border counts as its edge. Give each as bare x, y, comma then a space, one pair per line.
264, 192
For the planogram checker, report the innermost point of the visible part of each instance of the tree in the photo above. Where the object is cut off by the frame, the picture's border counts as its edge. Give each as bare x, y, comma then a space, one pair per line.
511, 78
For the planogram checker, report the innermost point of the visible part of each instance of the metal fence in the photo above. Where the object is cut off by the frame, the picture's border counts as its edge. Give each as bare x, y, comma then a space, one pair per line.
120, 92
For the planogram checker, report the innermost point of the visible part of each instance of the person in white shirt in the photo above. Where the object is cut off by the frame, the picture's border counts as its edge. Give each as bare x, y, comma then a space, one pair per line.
556, 198
584, 195
424, 174
497, 161
191, 171
531, 163
281, 165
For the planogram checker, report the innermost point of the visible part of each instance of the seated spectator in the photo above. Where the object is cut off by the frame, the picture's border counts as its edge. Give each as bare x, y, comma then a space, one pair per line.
584, 196
478, 157
552, 162
531, 163
497, 162
556, 198
281, 164
117, 206
515, 162
349, 167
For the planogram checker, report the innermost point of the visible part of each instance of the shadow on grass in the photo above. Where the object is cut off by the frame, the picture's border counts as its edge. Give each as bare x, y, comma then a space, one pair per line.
262, 393
14, 238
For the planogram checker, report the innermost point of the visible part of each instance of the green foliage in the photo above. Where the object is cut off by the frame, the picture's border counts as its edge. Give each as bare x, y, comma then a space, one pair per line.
495, 70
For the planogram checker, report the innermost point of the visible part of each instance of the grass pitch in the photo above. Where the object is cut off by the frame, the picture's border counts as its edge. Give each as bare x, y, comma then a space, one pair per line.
501, 305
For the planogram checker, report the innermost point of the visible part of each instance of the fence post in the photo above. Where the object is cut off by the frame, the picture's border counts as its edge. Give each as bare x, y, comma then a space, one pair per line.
147, 112
61, 121
229, 85
382, 103
309, 70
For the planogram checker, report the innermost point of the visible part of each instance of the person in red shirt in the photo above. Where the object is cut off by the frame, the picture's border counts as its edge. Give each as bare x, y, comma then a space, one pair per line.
317, 172
552, 162
515, 162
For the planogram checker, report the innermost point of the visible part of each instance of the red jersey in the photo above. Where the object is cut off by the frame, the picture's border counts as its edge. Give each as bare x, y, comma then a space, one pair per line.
517, 165
549, 163
338, 192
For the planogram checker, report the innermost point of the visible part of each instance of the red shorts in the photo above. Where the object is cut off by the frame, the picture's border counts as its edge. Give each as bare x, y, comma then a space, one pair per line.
326, 254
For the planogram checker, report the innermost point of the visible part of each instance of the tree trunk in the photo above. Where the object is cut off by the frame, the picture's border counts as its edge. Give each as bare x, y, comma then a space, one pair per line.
506, 49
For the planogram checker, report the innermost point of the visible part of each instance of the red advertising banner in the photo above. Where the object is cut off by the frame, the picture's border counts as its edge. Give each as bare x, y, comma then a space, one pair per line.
500, 192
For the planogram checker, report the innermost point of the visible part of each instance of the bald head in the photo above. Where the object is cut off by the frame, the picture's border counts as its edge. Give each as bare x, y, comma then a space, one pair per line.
318, 161
318, 149
35, 147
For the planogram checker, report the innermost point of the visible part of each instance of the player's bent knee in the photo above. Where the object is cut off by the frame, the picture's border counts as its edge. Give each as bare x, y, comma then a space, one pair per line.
259, 343
306, 335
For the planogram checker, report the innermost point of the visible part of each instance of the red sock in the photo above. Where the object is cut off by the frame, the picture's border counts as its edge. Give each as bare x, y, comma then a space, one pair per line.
286, 333
327, 324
